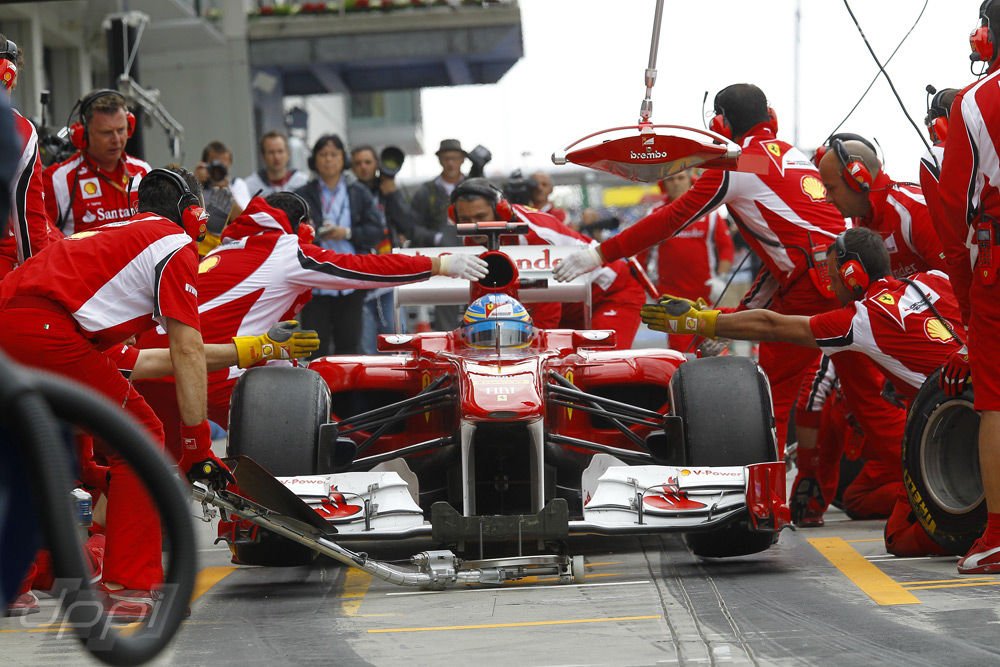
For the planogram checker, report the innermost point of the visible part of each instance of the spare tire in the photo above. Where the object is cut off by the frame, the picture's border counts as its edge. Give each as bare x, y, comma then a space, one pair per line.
725, 405
941, 466
275, 417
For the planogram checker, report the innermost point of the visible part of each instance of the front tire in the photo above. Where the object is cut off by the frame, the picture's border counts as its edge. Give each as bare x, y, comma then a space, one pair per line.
941, 467
725, 404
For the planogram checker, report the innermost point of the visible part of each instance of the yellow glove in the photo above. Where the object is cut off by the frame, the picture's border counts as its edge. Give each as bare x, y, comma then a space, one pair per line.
700, 304
679, 316
285, 340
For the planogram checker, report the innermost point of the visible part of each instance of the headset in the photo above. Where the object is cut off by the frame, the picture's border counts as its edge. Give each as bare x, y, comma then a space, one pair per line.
936, 119
850, 267
192, 215
843, 136
78, 130
8, 65
720, 125
981, 39
321, 144
854, 172
480, 187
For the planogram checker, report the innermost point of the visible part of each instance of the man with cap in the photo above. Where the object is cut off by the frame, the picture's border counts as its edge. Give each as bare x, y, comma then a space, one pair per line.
430, 201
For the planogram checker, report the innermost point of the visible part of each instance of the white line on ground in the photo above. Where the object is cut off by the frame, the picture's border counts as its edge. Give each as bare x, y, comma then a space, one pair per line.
523, 588
889, 557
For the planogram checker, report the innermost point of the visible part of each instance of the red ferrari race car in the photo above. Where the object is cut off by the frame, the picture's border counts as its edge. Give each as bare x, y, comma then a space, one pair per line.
502, 440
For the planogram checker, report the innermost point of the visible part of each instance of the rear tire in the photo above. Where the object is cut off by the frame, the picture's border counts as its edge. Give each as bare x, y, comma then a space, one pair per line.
274, 419
725, 404
941, 467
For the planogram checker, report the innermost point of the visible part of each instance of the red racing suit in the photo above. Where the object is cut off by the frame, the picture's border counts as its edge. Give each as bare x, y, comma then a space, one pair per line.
782, 213
29, 229
79, 195
970, 198
616, 295
81, 296
894, 326
556, 212
687, 261
259, 275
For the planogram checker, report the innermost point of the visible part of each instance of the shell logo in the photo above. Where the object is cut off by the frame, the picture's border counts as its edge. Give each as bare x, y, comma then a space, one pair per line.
90, 188
209, 263
685, 472
936, 330
813, 188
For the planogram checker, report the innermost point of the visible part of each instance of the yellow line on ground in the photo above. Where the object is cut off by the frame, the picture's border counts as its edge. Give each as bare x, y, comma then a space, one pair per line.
964, 584
963, 580
356, 583
209, 577
872, 581
523, 624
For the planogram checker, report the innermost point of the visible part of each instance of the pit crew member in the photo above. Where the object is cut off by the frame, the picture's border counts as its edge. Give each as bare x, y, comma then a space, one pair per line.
83, 295
97, 184
907, 326
616, 295
936, 122
783, 215
265, 270
970, 199
28, 229
704, 249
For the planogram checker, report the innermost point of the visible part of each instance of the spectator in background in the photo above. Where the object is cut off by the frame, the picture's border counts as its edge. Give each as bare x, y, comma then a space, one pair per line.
350, 223
696, 260
92, 187
378, 316
224, 197
276, 176
430, 201
540, 196
29, 229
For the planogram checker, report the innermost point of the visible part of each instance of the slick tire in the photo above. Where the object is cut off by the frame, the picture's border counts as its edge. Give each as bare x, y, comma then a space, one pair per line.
275, 418
941, 467
725, 404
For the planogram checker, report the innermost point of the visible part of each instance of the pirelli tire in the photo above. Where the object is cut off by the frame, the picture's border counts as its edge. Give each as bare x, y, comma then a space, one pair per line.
274, 419
725, 405
941, 467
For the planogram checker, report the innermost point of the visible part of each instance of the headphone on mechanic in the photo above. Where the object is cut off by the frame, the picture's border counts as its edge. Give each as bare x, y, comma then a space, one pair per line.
850, 267
8, 65
189, 208
480, 187
936, 119
720, 125
78, 130
321, 144
981, 40
855, 174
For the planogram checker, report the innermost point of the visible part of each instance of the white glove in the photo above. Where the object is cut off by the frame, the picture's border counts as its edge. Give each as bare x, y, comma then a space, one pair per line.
577, 264
463, 266
715, 286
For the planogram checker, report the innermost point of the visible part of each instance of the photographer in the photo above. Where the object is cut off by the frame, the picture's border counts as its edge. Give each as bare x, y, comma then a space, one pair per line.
225, 198
430, 201
379, 176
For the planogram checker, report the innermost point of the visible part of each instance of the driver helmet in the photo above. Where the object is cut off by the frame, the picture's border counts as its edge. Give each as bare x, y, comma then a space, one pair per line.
497, 321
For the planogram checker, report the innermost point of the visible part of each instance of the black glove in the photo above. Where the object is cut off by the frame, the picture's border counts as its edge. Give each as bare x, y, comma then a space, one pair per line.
807, 491
212, 471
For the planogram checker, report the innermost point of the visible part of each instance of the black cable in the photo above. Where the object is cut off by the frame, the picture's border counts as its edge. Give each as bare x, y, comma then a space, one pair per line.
889, 80
875, 78
31, 403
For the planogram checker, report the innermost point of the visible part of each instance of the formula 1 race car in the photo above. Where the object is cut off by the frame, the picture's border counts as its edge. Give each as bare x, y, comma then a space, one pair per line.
500, 439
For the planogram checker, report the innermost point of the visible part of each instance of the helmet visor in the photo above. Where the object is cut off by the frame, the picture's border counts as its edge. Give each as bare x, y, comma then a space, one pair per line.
494, 333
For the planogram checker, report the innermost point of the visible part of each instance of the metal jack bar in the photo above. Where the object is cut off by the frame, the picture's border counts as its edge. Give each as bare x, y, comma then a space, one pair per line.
646, 109
437, 569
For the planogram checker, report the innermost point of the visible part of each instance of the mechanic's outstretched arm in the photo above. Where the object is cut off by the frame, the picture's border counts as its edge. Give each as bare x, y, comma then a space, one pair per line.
285, 340
680, 316
187, 355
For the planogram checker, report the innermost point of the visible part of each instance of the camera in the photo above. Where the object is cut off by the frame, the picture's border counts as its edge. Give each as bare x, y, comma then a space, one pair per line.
390, 161
479, 156
518, 189
217, 171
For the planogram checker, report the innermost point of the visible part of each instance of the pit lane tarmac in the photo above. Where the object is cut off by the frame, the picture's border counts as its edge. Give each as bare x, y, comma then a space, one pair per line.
826, 596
